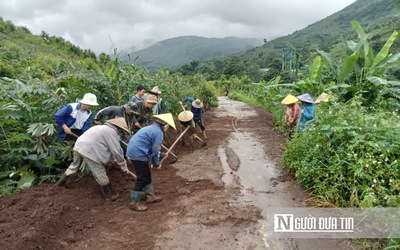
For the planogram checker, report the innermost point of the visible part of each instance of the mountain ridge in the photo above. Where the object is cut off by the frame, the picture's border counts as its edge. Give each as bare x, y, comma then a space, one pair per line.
177, 51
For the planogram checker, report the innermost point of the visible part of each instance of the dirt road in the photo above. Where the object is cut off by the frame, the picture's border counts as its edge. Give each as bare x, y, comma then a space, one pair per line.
215, 197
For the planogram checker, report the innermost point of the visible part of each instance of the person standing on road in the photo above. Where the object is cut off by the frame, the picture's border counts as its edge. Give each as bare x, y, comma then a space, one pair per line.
291, 110
145, 144
139, 96
307, 116
197, 109
97, 147
75, 118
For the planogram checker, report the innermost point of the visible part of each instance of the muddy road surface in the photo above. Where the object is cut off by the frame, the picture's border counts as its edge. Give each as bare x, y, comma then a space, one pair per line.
214, 197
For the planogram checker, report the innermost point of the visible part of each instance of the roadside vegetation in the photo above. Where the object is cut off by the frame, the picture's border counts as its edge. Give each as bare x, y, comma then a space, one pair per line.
349, 158
39, 75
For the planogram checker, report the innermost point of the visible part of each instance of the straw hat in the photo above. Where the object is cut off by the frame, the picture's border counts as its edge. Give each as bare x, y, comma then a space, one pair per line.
324, 97
119, 122
185, 116
197, 104
165, 118
289, 99
89, 99
151, 99
156, 90
305, 98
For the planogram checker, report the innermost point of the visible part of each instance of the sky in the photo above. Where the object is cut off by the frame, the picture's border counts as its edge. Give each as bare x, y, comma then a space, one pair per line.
126, 25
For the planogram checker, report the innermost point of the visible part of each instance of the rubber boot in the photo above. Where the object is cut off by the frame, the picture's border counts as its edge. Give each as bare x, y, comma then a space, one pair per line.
134, 204
108, 194
204, 134
63, 179
151, 198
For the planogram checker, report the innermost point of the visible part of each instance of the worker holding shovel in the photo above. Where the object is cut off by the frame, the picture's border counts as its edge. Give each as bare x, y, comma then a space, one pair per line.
145, 144
196, 108
127, 111
98, 146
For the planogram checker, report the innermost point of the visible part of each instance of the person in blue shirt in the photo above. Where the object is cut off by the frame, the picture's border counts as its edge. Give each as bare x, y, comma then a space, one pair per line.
139, 96
75, 118
307, 116
197, 109
145, 144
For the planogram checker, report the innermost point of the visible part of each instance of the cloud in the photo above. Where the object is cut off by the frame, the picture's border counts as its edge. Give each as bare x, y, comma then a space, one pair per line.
101, 25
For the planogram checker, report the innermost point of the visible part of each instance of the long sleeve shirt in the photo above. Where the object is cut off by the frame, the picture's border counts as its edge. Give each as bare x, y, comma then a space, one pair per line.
115, 112
197, 113
306, 115
101, 144
146, 143
292, 112
72, 116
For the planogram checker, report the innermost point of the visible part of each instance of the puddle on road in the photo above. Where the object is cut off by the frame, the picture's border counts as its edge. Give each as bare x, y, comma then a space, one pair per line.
257, 179
255, 171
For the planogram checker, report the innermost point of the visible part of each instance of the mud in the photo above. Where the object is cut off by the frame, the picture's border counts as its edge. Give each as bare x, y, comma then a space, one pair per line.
215, 197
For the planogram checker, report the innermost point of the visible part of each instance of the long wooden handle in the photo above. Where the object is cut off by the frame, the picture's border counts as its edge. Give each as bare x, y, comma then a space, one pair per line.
164, 147
183, 107
197, 137
132, 174
175, 142
74, 135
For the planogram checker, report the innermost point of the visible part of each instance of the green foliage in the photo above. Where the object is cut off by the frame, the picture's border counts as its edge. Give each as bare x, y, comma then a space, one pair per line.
39, 75
379, 17
350, 158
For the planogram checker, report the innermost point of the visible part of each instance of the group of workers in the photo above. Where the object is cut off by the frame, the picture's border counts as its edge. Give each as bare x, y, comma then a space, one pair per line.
132, 132
301, 117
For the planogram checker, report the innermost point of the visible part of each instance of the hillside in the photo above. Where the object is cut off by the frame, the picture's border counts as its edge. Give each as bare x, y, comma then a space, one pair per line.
378, 17
43, 56
182, 50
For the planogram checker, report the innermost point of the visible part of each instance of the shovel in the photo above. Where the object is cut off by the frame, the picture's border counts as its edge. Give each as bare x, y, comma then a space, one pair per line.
197, 137
128, 171
172, 153
175, 142
193, 131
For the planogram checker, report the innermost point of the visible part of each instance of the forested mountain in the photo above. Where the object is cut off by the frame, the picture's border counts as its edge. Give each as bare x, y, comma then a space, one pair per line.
182, 50
377, 17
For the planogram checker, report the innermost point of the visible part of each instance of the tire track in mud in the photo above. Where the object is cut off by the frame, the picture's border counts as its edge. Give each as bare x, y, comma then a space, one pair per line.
234, 216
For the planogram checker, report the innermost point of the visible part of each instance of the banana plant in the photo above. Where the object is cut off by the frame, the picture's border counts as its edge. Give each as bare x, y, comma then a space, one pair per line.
353, 76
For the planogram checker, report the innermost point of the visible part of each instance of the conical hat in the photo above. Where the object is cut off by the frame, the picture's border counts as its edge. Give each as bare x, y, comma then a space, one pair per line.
289, 99
185, 116
168, 118
197, 104
119, 122
324, 97
305, 98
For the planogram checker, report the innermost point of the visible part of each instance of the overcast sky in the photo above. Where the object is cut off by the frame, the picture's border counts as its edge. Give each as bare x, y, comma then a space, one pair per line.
101, 25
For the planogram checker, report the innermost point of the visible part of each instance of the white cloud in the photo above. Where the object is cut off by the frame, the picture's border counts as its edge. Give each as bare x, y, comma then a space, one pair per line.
101, 24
